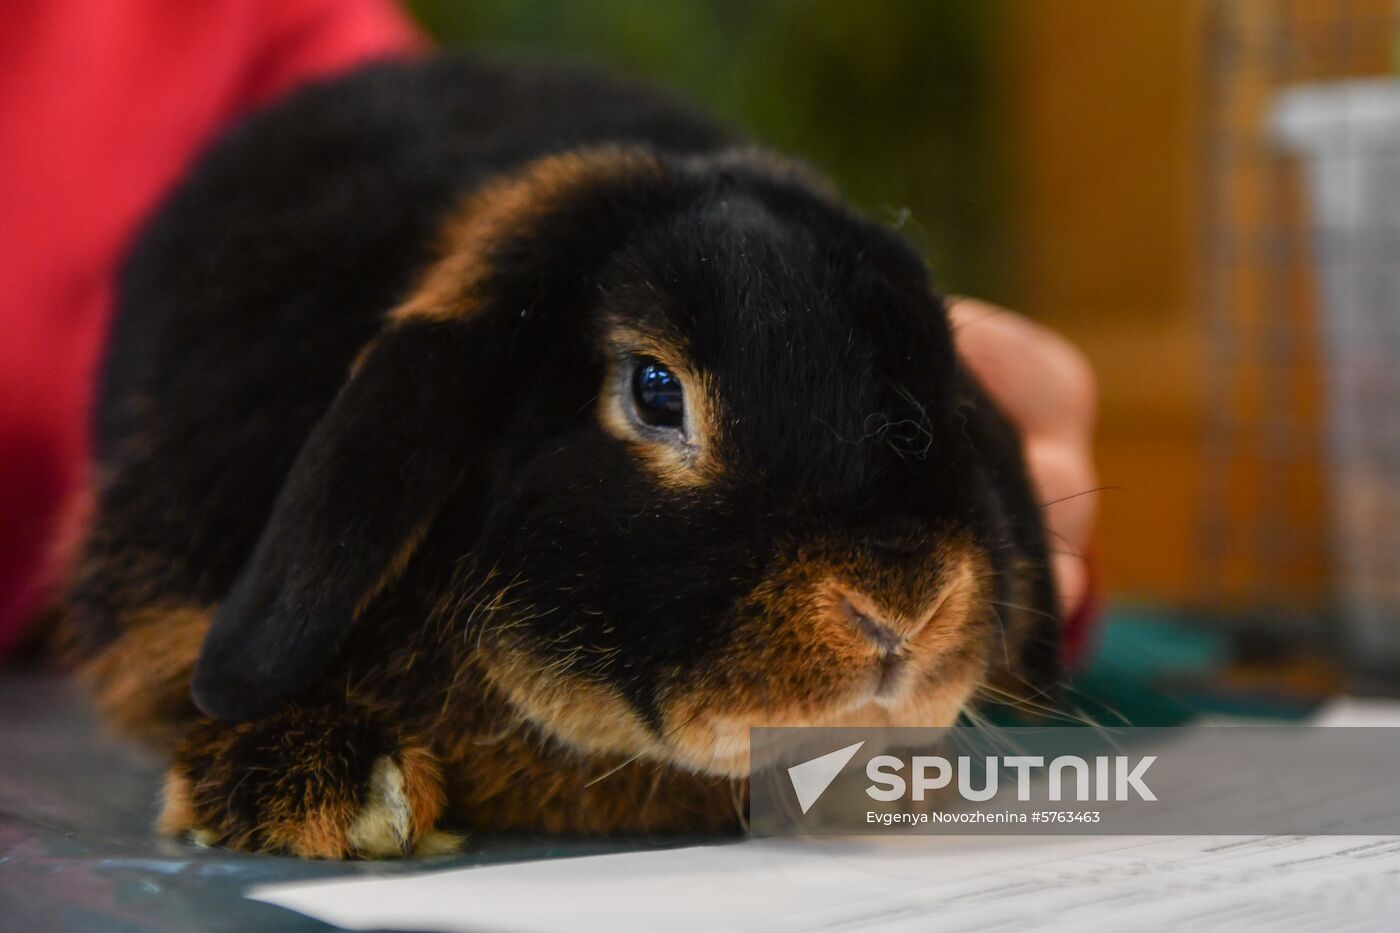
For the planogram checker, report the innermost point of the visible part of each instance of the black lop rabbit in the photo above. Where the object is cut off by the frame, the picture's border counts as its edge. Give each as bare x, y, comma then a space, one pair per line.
471, 431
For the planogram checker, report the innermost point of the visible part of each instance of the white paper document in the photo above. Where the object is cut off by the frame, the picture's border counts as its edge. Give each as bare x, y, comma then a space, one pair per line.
1331, 884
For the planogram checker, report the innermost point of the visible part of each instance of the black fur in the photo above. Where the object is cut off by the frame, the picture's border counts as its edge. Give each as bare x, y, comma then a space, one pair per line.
241, 469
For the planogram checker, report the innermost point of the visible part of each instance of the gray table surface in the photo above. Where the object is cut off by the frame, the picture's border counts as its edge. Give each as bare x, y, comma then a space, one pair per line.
77, 849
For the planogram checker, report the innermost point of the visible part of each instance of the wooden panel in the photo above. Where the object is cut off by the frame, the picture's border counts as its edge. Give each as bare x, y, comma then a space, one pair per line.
1161, 230
1102, 121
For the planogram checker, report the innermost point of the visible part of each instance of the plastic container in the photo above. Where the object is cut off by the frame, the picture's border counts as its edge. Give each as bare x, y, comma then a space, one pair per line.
1349, 137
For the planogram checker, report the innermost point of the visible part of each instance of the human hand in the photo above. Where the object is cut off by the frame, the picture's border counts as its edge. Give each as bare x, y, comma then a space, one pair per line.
1045, 386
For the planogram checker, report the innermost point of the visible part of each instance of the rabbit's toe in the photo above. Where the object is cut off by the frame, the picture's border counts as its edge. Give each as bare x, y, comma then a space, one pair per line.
384, 826
394, 822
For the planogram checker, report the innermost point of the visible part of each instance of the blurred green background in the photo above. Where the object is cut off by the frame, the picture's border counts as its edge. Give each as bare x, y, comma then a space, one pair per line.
892, 99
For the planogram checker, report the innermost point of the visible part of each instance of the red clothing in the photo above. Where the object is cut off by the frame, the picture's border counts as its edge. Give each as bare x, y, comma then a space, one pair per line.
102, 106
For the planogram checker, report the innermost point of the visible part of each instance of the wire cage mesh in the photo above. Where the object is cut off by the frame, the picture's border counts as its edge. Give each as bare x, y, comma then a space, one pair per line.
1301, 516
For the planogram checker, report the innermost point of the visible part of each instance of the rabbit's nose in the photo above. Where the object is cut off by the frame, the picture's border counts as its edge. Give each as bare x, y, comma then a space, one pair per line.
883, 630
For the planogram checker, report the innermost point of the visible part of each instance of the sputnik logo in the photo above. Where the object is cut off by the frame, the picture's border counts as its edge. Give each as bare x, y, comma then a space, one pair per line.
810, 779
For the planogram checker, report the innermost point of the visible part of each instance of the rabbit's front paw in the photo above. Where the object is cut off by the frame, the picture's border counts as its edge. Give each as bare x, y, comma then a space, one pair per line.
312, 783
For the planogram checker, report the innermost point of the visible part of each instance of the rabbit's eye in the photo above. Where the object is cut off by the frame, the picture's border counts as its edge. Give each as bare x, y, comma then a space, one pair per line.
659, 395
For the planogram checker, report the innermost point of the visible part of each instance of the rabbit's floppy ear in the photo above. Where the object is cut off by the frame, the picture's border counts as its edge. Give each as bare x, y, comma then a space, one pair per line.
421, 404
359, 497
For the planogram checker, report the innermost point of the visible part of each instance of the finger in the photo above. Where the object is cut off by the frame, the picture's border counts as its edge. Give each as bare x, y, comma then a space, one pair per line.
1041, 380
1066, 486
1071, 582
1065, 483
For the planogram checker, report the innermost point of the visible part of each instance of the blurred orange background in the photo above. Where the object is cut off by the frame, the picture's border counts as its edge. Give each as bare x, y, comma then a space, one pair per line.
1141, 160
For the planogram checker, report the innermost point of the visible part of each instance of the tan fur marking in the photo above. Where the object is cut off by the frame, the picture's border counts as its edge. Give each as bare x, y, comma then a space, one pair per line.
521, 782
720, 744
499, 210
585, 716
176, 812
397, 564
358, 362
437, 842
423, 786
142, 680
673, 467
321, 834
384, 825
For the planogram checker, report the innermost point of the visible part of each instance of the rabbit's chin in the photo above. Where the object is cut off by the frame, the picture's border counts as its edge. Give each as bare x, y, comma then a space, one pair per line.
718, 744
711, 738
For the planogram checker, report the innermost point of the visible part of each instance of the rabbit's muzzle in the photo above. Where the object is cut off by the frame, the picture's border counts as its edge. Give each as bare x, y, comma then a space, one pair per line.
863, 641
